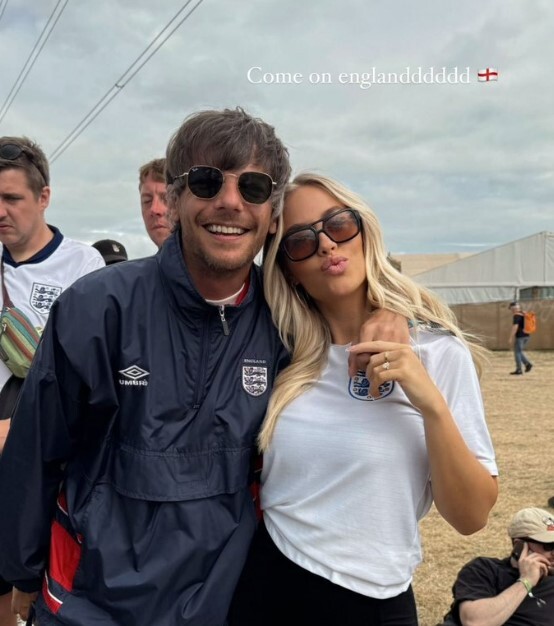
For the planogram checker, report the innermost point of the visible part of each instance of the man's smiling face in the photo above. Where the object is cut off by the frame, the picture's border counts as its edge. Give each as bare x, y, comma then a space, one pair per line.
222, 235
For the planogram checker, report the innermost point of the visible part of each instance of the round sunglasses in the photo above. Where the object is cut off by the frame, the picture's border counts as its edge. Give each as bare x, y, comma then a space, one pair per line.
12, 152
303, 242
205, 182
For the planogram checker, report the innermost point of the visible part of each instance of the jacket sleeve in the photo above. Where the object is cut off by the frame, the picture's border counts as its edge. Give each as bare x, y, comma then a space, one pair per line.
42, 437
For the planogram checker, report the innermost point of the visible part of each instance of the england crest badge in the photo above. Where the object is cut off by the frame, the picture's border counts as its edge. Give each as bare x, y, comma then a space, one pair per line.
359, 388
43, 297
254, 379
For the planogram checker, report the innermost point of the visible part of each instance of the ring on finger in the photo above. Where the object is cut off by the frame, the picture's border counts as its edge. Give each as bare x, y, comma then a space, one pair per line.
386, 365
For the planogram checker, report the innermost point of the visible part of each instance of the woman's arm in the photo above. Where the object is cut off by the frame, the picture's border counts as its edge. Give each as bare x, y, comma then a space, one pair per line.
463, 489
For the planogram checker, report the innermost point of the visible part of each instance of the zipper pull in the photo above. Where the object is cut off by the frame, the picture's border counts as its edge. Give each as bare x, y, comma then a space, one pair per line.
223, 320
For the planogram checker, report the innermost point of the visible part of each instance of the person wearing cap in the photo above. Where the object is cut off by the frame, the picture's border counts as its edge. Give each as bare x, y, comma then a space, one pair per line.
37, 264
153, 202
517, 590
111, 251
518, 339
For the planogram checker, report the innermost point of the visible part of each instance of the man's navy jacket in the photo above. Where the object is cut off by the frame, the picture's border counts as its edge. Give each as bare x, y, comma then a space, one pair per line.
124, 480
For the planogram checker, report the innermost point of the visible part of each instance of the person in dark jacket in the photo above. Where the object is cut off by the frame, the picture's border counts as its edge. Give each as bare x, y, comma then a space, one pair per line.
131, 504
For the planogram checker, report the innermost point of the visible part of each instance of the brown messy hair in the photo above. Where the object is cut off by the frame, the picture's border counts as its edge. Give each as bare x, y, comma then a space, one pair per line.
229, 140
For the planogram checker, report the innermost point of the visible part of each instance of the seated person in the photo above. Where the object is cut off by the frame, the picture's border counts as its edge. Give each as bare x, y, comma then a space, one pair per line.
517, 590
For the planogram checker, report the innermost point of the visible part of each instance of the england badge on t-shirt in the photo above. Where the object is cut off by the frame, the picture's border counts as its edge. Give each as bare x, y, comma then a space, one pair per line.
359, 388
43, 296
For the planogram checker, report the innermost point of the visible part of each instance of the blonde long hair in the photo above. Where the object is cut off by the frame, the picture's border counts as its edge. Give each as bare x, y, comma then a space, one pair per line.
303, 329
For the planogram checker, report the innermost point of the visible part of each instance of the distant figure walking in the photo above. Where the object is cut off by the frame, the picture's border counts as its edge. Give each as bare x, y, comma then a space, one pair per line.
518, 339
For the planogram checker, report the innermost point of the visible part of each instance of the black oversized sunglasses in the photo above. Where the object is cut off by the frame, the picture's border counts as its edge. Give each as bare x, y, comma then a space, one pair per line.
12, 151
302, 243
206, 182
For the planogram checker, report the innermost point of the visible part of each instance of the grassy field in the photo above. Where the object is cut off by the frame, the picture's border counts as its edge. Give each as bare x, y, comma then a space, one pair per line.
520, 412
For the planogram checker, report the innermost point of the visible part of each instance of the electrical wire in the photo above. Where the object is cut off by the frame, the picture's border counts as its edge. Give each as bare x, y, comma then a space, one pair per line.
31, 59
3, 6
123, 81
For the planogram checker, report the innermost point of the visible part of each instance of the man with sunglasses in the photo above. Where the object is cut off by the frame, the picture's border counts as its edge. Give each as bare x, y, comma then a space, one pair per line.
38, 263
517, 590
153, 379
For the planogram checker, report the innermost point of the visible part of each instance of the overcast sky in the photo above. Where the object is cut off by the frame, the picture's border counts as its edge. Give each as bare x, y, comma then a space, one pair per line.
447, 167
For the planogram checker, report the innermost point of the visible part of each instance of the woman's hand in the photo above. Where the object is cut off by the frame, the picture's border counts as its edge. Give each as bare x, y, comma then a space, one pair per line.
382, 325
397, 361
532, 565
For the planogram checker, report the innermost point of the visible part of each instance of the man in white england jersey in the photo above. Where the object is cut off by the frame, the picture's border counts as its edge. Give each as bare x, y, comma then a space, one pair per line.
38, 263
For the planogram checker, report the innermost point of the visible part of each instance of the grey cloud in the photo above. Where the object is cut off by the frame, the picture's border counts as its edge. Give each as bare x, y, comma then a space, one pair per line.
443, 165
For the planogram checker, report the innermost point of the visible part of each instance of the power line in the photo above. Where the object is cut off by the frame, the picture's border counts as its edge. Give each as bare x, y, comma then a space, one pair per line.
31, 59
123, 81
3, 6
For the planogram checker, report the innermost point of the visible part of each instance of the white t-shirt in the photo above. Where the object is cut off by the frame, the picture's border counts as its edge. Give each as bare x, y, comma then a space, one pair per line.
346, 478
34, 285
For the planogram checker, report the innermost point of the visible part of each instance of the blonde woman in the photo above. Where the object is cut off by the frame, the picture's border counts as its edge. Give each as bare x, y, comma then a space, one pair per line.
353, 460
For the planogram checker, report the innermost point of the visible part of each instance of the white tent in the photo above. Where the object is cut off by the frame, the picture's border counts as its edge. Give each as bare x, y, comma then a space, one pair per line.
496, 274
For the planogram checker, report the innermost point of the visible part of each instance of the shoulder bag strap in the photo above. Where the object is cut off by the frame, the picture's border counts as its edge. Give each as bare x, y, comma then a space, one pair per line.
5, 296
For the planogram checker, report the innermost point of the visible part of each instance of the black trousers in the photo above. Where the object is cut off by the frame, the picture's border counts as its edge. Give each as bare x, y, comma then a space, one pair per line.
274, 591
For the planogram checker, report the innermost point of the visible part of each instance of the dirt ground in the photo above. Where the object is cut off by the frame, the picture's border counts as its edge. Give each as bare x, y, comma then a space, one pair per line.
520, 411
